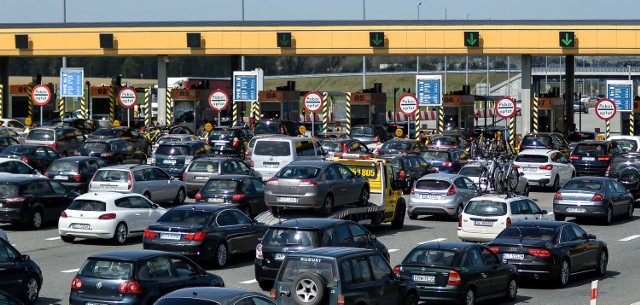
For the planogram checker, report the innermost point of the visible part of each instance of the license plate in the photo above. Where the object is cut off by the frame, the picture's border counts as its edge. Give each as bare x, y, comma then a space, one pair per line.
514, 256
529, 169
589, 158
279, 257
220, 144
169, 161
108, 187
483, 223
80, 226
430, 279
202, 178
58, 177
271, 165
429, 196
215, 200
576, 210
170, 236
287, 199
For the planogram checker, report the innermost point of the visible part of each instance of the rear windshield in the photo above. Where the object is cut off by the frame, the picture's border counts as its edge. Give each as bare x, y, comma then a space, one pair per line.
204, 167
107, 269
298, 172
94, 146
486, 208
432, 185
172, 150
16, 149
272, 148
8, 190
532, 158
220, 134
396, 145
431, 257
169, 139
621, 162
471, 171
290, 237
628, 145
88, 205
592, 149
362, 132
106, 133
583, 185
186, 216
293, 267
332, 146
111, 176
267, 128
64, 166
40, 135
443, 141
536, 141
220, 186
537, 233
579, 136
435, 156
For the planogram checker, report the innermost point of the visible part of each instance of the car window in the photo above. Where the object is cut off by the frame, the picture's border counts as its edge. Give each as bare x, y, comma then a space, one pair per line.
610, 188
7, 254
345, 172
535, 209
362, 270
341, 235
226, 218
272, 148
489, 257
58, 188
460, 184
469, 183
242, 167
123, 203
305, 148
379, 267
159, 174
358, 232
157, 268
241, 218
106, 269
486, 208
332, 173
580, 233
567, 234
139, 202
473, 257
23, 168
141, 175
183, 268
619, 187
258, 185
345, 272
41, 152
227, 168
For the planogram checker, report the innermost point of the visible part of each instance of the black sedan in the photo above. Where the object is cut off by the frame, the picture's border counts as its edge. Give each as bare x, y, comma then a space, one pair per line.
21, 276
74, 172
136, 277
37, 156
214, 296
458, 272
550, 250
112, 151
400, 146
204, 232
409, 169
241, 191
126, 133
229, 141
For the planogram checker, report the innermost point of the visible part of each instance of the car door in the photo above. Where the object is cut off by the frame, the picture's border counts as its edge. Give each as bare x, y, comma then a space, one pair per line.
386, 287
129, 214
144, 212
12, 270
166, 189
341, 236
574, 246
461, 186
252, 233
476, 271
498, 275
536, 211
256, 198
232, 230
625, 197
353, 186
159, 273
560, 166
617, 198
336, 185
363, 280
186, 272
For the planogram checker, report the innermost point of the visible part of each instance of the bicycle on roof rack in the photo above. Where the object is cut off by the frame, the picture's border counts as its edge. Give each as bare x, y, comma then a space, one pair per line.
498, 174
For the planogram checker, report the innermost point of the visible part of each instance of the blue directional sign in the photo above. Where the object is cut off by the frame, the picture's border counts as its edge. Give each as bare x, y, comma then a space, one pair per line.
429, 90
247, 85
621, 93
72, 82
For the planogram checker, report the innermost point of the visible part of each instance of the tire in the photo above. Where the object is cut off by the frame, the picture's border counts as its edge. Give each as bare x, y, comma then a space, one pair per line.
565, 272
459, 210
556, 184
363, 200
30, 291
241, 154
265, 285
512, 290
67, 238
36, 220
559, 217
469, 297
413, 216
221, 255
608, 218
411, 299
398, 217
526, 191
327, 206
120, 234
180, 196
631, 208
603, 262
308, 289
512, 180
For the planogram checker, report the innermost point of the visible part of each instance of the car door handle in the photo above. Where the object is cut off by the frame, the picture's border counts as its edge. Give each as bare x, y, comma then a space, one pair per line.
484, 276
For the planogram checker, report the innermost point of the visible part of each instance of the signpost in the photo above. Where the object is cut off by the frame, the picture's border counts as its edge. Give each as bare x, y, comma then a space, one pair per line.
246, 85
506, 109
606, 110
218, 100
41, 95
429, 90
621, 93
71, 82
408, 104
312, 102
127, 98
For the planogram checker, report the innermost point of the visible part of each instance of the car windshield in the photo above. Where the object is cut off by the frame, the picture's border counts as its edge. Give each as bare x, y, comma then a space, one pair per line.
396, 145
267, 128
332, 146
471, 171
429, 184
94, 146
442, 141
583, 185
272, 148
186, 216
627, 145
106, 132
486, 208
435, 156
204, 167
172, 150
362, 132
107, 269
111, 176
169, 139
532, 158
63, 166
40, 135
298, 172
528, 232
591, 149
621, 162
536, 141
293, 267
430, 257
16, 150
8, 190
220, 134
221, 186
88, 205
290, 237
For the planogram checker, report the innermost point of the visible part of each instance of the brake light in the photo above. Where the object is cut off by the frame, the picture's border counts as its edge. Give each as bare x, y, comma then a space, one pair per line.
508, 221
413, 190
237, 197
17, 199
236, 142
454, 278
252, 163
130, 287
574, 157
340, 299
273, 181
129, 181
247, 153
188, 159
447, 164
198, 196
107, 216
307, 183
25, 159
604, 158
54, 146
344, 147
459, 221
557, 196
76, 283
517, 166
546, 166
608, 170
452, 191
404, 152
107, 154
540, 252
63, 214
402, 174
184, 176
376, 139
196, 236
259, 251
46, 174
494, 249
282, 129
272, 294
597, 197
77, 177
396, 270
150, 234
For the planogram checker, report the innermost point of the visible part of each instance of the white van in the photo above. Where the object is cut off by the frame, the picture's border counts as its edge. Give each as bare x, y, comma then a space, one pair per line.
273, 153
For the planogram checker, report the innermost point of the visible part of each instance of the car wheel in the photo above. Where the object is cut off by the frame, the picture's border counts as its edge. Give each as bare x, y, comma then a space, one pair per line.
559, 217
413, 216
241, 154
556, 184
526, 191
221, 255
31, 291
512, 290
36, 220
309, 289
180, 197
563, 276
364, 197
458, 212
608, 218
411, 299
327, 206
469, 297
67, 238
398, 217
631, 208
120, 234
265, 285
603, 261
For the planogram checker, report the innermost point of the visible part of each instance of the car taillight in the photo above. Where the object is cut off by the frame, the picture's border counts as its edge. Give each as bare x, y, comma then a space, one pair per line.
604, 158
451, 191
608, 170
340, 299
196, 236
282, 129
17, 199
546, 166
184, 176
557, 196
597, 197
130, 287
402, 174
46, 174
508, 221
307, 183
396, 270
236, 142
107, 154
251, 163
447, 164
54, 146
273, 181
259, 252
237, 197
376, 152
517, 166
495, 249
413, 190
150, 234
404, 152
198, 196
76, 153
574, 157
344, 147
129, 181
247, 153
454, 278
63, 214
77, 177
272, 294
459, 221
76, 283
540, 252
376, 139
107, 216
25, 159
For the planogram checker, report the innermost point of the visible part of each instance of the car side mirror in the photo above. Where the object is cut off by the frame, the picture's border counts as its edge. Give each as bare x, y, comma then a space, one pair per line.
591, 236
35, 172
24, 257
543, 212
155, 206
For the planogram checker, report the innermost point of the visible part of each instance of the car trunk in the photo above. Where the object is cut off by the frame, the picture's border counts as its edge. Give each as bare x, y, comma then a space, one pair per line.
219, 191
175, 231
291, 187
515, 250
101, 289
576, 195
64, 171
426, 276
431, 189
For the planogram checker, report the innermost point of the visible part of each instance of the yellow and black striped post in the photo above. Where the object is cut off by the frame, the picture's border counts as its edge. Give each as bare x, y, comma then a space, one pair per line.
1, 101
83, 103
169, 116
347, 126
440, 119
534, 115
631, 123
255, 112
147, 107
512, 131
608, 130
325, 111
418, 123
234, 113
112, 102
30, 102
61, 107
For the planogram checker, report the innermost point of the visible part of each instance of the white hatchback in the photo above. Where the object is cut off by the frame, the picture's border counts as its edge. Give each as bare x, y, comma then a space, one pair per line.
108, 215
545, 167
486, 216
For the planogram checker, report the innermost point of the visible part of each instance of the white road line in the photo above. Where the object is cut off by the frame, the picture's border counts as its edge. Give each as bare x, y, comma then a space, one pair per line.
249, 282
53, 238
630, 238
393, 250
636, 303
432, 241
70, 271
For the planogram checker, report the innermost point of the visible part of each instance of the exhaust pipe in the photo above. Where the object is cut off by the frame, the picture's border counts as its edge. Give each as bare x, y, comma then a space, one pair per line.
535, 276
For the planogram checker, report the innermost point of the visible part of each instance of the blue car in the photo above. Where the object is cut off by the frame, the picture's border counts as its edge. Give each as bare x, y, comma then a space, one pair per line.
445, 161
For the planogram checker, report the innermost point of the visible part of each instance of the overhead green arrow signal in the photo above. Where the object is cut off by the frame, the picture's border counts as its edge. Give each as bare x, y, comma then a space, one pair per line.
194, 40
567, 39
471, 39
376, 39
284, 40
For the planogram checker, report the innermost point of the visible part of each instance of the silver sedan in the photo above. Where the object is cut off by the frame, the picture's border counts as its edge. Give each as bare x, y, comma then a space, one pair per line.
317, 185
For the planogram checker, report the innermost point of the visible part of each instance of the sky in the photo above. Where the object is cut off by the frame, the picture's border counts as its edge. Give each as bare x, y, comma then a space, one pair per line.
52, 11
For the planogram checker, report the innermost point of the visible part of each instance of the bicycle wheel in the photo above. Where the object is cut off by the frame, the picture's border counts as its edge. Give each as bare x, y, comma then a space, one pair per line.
512, 179
472, 150
499, 185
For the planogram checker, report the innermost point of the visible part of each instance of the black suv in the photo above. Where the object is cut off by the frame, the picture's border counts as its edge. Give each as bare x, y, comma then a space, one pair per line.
229, 141
593, 157
289, 128
174, 157
341, 276
302, 233
550, 140
112, 151
75, 172
127, 133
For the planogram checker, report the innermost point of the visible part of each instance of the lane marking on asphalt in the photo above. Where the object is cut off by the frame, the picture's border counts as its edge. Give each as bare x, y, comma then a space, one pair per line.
70, 271
636, 303
249, 282
630, 238
393, 250
432, 241
53, 238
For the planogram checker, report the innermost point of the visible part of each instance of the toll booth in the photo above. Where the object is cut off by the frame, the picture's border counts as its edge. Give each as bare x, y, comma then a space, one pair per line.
279, 104
191, 107
366, 108
18, 106
550, 114
458, 112
99, 106
624, 117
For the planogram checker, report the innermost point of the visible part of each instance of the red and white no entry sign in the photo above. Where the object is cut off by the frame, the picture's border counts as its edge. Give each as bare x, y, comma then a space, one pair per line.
127, 97
312, 101
218, 100
605, 109
41, 95
408, 104
505, 107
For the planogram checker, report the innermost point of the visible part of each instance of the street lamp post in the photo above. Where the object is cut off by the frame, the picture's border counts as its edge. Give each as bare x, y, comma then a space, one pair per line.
242, 57
364, 58
418, 56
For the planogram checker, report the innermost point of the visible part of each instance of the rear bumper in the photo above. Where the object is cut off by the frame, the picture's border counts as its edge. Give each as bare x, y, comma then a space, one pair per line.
590, 210
477, 237
77, 299
543, 271
265, 273
590, 170
426, 293
431, 206
199, 251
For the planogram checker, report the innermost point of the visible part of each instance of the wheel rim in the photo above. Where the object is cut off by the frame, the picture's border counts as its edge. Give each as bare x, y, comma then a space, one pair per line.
121, 233
222, 255
603, 262
328, 205
181, 196
365, 196
306, 290
37, 219
513, 288
609, 214
470, 299
564, 273
32, 289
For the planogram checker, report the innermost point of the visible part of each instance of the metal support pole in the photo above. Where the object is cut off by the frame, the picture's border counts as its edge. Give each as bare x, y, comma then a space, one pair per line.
325, 111
440, 120
536, 104
147, 107
348, 106
606, 136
